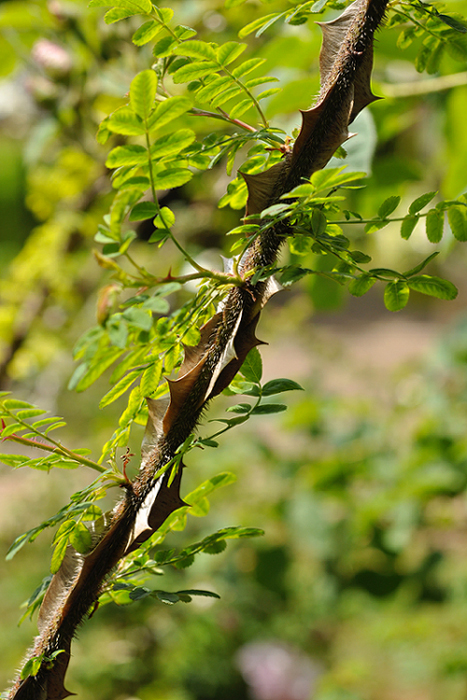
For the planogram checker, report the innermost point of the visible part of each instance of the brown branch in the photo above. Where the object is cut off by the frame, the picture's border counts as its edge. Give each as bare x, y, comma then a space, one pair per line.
346, 63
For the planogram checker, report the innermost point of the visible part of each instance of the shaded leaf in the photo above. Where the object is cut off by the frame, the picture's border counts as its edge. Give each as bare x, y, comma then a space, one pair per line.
418, 204
239, 408
277, 386
434, 225
418, 268
388, 206
143, 210
458, 223
408, 225
266, 408
252, 368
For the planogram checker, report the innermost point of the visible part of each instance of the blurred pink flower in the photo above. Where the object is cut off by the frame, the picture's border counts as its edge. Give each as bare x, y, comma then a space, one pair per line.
51, 57
275, 671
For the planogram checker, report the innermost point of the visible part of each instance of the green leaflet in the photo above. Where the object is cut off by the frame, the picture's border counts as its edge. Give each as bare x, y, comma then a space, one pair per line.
127, 155
457, 218
143, 93
151, 378
143, 210
197, 49
408, 226
166, 179
252, 368
388, 206
434, 225
229, 52
167, 111
124, 121
433, 286
421, 202
123, 385
194, 71
396, 295
172, 144
146, 33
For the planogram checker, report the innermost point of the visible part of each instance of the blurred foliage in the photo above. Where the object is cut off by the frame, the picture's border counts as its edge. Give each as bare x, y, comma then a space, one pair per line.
359, 586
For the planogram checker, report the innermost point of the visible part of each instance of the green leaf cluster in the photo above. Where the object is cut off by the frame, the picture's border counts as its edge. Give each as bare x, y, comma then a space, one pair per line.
438, 32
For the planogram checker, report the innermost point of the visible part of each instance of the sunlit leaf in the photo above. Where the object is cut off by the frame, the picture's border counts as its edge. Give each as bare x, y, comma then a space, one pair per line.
143, 93
146, 32
396, 295
433, 286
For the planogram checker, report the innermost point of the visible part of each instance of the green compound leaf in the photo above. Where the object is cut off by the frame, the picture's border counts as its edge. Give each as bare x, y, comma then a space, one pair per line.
396, 295
143, 93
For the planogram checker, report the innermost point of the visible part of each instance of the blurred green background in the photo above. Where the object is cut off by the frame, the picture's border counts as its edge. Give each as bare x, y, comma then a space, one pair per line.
358, 589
